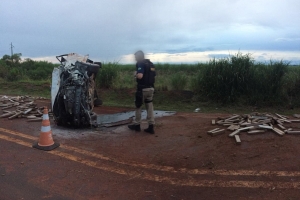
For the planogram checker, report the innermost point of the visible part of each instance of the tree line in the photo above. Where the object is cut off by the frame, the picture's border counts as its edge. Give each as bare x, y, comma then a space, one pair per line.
13, 68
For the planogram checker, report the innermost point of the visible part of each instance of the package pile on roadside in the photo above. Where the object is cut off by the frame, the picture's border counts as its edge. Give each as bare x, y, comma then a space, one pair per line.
254, 123
21, 107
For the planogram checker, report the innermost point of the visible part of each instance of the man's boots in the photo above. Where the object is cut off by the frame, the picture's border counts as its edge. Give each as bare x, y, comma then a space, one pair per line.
150, 129
135, 127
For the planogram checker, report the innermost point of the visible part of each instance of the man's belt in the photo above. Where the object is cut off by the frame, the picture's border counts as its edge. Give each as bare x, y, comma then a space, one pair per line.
140, 87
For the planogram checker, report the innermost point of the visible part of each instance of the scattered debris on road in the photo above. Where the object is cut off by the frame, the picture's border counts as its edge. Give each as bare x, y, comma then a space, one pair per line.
21, 107
237, 139
197, 110
254, 123
297, 115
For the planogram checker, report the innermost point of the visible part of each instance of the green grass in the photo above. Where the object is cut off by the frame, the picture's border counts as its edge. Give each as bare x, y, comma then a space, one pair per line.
185, 102
181, 101
224, 80
179, 81
33, 88
169, 77
237, 81
163, 100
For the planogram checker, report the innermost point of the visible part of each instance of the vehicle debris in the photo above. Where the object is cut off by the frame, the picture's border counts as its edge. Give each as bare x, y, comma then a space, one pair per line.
73, 90
254, 123
237, 139
197, 110
21, 107
297, 115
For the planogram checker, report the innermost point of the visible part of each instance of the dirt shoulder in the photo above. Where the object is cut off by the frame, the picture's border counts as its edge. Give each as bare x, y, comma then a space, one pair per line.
179, 162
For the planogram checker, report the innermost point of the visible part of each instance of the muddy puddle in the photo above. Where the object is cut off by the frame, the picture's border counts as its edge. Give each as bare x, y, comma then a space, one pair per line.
108, 125
103, 120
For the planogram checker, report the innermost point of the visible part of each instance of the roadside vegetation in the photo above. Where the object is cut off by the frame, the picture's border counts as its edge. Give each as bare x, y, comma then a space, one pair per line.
237, 80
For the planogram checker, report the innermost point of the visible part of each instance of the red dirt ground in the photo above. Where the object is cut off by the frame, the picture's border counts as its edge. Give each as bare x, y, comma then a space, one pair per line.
179, 162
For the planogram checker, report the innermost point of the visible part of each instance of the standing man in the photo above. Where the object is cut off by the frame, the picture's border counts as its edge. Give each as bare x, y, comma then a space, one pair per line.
145, 78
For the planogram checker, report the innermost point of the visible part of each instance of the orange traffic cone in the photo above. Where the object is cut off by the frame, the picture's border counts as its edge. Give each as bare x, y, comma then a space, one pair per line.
45, 142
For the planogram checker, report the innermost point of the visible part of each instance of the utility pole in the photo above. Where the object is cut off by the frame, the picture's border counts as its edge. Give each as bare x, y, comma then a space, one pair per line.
11, 49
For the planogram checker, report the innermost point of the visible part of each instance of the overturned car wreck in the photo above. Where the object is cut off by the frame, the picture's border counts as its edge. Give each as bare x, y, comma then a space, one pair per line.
73, 92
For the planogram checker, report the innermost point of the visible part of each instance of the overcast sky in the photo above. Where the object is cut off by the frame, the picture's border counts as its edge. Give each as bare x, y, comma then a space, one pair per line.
168, 30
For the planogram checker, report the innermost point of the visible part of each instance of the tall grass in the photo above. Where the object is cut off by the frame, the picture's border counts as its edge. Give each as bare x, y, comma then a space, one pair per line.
107, 75
266, 83
234, 79
179, 81
27, 70
239, 77
224, 79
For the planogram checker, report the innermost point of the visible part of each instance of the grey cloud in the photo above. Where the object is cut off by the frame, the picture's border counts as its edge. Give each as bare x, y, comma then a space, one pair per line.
287, 39
109, 29
189, 49
218, 55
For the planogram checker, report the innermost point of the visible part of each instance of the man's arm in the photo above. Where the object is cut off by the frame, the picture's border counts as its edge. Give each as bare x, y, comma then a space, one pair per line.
140, 71
139, 75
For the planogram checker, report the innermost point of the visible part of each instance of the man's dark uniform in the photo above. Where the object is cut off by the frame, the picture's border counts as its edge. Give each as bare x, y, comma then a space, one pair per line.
144, 94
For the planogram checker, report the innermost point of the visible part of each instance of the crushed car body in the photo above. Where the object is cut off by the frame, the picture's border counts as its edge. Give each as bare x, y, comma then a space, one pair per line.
73, 92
